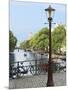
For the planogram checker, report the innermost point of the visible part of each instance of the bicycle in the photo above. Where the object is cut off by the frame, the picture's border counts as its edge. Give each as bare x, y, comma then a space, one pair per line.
18, 71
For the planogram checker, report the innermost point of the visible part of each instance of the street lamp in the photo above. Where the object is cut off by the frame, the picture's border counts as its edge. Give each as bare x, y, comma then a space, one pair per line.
50, 12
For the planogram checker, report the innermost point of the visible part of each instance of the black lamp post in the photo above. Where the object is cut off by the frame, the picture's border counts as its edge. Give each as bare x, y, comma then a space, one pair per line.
50, 12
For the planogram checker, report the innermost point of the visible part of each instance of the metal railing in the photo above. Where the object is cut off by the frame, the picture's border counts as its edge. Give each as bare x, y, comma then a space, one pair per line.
32, 67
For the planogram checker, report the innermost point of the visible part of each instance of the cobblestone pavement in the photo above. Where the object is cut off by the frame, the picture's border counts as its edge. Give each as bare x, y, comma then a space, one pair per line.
37, 81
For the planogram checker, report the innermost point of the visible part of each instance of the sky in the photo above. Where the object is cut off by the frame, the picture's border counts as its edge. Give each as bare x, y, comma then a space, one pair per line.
27, 18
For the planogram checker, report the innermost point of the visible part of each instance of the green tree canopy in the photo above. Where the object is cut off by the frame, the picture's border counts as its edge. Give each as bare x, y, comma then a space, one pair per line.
40, 39
25, 44
59, 37
12, 41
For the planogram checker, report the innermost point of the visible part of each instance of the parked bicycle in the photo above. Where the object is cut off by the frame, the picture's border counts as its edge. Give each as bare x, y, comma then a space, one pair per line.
17, 71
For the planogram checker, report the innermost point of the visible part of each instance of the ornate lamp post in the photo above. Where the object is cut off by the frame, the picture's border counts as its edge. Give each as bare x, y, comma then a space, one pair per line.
50, 12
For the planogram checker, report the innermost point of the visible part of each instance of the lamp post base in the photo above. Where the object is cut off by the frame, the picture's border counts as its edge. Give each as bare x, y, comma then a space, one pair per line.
49, 84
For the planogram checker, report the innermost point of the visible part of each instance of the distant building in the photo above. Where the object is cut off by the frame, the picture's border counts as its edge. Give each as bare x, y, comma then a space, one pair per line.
30, 35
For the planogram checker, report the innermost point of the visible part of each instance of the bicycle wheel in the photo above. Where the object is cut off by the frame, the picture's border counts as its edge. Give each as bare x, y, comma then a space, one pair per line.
14, 73
38, 70
32, 70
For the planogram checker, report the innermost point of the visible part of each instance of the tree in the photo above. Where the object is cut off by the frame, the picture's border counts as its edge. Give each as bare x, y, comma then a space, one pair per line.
25, 45
12, 41
40, 39
58, 38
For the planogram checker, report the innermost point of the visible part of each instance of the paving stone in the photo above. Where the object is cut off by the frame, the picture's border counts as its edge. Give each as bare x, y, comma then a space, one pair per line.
37, 81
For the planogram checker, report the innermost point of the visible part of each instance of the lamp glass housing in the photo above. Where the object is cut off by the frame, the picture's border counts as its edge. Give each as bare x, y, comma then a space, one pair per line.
50, 12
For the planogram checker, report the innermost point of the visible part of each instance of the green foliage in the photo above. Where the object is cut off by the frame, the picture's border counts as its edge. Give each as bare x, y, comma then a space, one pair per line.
40, 40
25, 45
12, 41
58, 37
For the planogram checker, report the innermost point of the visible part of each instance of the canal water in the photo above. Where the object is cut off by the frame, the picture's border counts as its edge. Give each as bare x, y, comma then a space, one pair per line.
21, 55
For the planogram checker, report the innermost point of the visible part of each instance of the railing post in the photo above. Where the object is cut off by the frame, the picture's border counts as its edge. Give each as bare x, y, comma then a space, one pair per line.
17, 69
36, 67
